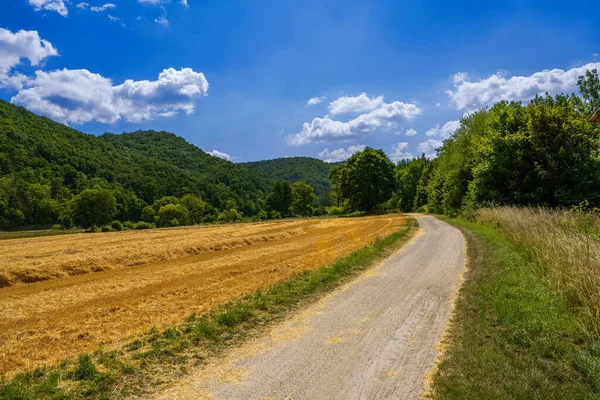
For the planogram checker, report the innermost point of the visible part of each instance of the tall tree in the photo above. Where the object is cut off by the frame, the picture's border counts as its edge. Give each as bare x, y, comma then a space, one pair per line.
303, 199
94, 207
280, 198
367, 179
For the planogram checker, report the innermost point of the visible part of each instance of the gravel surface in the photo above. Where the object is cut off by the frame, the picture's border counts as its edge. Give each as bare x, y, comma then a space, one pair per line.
374, 338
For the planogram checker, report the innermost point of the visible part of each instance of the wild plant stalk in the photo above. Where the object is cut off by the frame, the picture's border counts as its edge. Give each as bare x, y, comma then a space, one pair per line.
567, 243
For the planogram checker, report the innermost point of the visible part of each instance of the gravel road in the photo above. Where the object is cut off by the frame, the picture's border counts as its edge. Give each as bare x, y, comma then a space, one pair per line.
374, 338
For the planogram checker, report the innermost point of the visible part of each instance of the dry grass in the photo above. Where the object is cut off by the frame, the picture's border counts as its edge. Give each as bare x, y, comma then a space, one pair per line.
568, 246
152, 278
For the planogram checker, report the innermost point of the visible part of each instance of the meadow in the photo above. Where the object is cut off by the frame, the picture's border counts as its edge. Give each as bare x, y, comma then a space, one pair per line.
65, 295
567, 244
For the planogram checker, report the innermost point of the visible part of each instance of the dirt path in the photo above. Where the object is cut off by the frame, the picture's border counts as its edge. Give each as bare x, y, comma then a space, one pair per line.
375, 338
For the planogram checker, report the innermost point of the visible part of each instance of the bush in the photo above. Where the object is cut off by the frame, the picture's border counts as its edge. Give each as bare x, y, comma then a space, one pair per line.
56, 227
320, 211
143, 225
107, 228
336, 211
275, 215
229, 216
117, 225
149, 214
128, 225
173, 215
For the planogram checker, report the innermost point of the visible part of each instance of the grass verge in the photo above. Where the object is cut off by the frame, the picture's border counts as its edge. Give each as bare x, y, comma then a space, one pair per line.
512, 336
155, 358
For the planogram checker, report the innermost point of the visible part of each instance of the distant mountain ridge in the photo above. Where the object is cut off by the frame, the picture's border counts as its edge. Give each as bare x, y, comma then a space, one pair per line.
313, 171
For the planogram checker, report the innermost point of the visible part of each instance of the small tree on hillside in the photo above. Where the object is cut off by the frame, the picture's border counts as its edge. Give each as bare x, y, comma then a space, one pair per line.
303, 199
94, 208
280, 198
195, 206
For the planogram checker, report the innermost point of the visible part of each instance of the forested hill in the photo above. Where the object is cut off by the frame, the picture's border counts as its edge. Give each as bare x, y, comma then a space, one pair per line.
43, 164
310, 170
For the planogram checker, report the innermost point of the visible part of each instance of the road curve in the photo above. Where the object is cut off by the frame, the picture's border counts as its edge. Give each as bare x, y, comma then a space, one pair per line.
374, 338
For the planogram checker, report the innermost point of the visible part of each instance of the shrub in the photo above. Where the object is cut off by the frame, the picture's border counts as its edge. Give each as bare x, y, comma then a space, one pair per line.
56, 227
143, 225
336, 211
117, 225
171, 213
128, 225
229, 216
149, 214
107, 228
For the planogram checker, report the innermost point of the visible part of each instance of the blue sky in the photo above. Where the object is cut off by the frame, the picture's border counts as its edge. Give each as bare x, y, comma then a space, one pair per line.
236, 77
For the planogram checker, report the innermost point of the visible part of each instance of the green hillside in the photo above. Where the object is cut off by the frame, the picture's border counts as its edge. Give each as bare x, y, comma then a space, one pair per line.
43, 164
310, 170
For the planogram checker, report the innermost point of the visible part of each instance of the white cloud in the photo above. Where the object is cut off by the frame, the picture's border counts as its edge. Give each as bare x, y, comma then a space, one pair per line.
357, 104
50, 5
83, 5
103, 8
17, 46
428, 147
162, 20
377, 114
80, 96
473, 95
151, 2
400, 152
314, 100
184, 3
340, 154
445, 131
217, 153
411, 132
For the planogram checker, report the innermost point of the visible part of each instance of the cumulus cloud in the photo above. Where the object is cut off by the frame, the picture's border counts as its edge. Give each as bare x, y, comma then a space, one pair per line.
17, 46
50, 5
400, 152
411, 132
485, 92
428, 147
80, 96
340, 154
217, 153
314, 100
445, 130
103, 8
374, 113
357, 104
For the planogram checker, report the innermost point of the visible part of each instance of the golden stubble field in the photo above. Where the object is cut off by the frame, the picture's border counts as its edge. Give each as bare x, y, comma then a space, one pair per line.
64, 295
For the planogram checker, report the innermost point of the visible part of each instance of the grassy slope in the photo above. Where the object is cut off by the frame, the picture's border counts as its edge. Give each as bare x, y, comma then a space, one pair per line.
512, 336
145, 364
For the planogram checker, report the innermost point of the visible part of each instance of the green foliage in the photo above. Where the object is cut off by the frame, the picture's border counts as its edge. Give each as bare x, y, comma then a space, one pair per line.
195, 206
117, 225
309, 170
366, 180
589, 87
173, 215
143, 225
229, 216
303, 199
280, 199
44, 164
149, 214
94, 207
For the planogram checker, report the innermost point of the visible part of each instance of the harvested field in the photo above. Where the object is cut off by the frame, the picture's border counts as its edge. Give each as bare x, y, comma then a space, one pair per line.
150, 278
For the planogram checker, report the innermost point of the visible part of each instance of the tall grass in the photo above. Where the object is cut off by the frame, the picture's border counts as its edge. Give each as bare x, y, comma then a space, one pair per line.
567, 243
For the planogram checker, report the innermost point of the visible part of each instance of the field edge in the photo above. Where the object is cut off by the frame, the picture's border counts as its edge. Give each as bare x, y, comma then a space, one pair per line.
156, 358
511, 335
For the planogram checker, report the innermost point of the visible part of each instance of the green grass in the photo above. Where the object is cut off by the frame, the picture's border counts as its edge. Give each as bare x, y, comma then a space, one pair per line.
149, 361
512, 336
6, 235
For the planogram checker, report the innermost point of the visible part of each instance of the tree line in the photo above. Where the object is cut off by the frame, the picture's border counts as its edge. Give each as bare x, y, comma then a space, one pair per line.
544, 153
